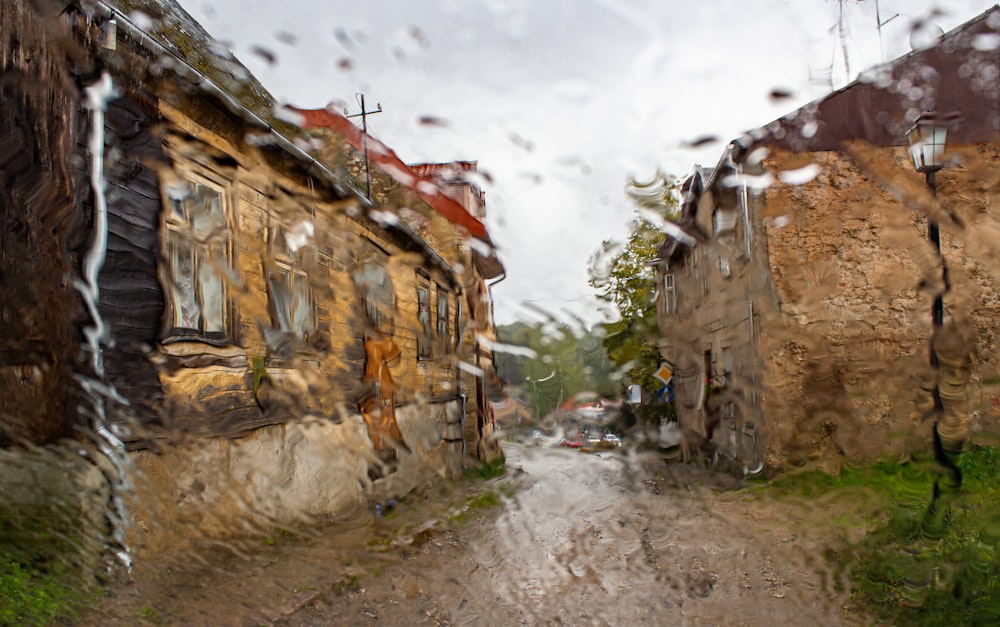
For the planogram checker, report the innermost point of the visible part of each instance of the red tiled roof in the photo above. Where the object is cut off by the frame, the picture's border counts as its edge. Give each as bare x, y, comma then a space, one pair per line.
391, 164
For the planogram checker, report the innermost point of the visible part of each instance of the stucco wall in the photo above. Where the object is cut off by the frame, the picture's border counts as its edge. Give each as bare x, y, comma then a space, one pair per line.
301, 472
847, 370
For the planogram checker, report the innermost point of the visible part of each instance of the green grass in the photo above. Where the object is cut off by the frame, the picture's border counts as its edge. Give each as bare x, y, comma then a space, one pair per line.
36, 596
913, 568
46, 565
148, 614
488, 470
484, 500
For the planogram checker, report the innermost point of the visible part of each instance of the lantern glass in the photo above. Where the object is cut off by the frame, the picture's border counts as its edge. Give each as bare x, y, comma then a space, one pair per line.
927, 141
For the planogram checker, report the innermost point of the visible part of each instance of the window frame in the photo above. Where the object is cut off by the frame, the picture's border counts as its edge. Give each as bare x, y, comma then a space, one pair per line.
299, 265
442, 326
670, 293
201, 254
381, 320
424, 327
457, 329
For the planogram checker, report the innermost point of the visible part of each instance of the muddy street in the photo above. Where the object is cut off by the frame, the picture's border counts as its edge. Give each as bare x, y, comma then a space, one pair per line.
614, 538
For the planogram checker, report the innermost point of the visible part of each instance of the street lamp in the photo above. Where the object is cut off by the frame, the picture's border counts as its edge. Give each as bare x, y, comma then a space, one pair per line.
534, 391
927, 141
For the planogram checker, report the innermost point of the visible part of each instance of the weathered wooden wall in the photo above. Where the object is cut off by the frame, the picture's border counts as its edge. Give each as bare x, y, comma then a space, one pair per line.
41, 226
131, 298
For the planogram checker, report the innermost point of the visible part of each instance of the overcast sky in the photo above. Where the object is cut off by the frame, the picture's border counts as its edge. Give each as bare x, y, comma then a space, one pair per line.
561, 100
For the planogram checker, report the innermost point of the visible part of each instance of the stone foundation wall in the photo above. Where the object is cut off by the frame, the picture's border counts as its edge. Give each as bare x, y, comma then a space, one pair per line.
54, 505
302, 472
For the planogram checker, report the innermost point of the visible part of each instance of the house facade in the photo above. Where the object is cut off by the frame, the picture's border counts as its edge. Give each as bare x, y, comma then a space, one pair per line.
262, 335
799, 314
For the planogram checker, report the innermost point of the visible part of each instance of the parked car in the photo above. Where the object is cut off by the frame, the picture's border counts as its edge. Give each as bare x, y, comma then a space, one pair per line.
611, 438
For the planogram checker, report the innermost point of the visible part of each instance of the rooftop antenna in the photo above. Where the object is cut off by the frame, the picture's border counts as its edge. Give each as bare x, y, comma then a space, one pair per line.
364, 135
879, 23
842, 33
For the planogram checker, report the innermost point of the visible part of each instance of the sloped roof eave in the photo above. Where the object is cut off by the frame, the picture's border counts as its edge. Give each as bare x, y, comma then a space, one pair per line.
389, 162
852, 111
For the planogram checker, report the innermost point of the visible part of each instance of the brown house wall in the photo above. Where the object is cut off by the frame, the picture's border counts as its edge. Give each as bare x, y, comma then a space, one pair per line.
847, 354
160, 126
40, 228
329, 375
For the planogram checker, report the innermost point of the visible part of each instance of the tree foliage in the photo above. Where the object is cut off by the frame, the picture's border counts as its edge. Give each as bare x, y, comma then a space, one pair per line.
566, 361
623, 276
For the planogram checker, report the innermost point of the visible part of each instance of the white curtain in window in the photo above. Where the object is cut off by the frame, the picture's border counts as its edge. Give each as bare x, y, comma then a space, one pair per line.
213, 296
302, 311
187, 314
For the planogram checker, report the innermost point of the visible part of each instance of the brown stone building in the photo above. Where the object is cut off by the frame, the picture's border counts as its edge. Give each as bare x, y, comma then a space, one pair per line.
797, 304
262, 334
443, 204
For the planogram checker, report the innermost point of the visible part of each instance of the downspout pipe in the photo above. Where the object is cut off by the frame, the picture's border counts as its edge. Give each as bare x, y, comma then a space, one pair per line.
489, 289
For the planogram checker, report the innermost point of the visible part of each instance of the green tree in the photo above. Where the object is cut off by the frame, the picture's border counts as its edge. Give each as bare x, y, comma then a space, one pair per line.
623, 276
564, 361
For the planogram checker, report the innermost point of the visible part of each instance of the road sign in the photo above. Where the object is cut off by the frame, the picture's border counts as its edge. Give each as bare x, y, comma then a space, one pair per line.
664, 374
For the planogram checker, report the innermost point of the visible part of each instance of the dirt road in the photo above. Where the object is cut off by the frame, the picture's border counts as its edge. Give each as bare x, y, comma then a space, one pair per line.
582, 539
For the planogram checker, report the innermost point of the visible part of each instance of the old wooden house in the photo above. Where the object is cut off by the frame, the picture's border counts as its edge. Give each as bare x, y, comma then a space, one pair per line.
810, 315
187, 276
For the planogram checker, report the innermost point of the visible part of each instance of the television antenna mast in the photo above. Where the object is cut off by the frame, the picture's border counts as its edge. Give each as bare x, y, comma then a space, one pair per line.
879, 23
364, 135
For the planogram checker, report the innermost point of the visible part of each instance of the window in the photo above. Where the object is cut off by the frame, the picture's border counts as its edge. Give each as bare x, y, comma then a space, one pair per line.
725, 221
199, 252
669, 294
423, 317
375, 286
724, 267
442, 314
727, 366
292, 303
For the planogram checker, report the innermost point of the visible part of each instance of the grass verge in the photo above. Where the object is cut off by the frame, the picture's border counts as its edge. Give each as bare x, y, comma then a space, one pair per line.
918, 564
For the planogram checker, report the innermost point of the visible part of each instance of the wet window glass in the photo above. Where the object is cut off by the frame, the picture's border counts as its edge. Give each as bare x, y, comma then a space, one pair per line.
616, 312
197, 246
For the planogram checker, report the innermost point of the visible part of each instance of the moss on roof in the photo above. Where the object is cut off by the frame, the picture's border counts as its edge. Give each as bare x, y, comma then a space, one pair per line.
179, 33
